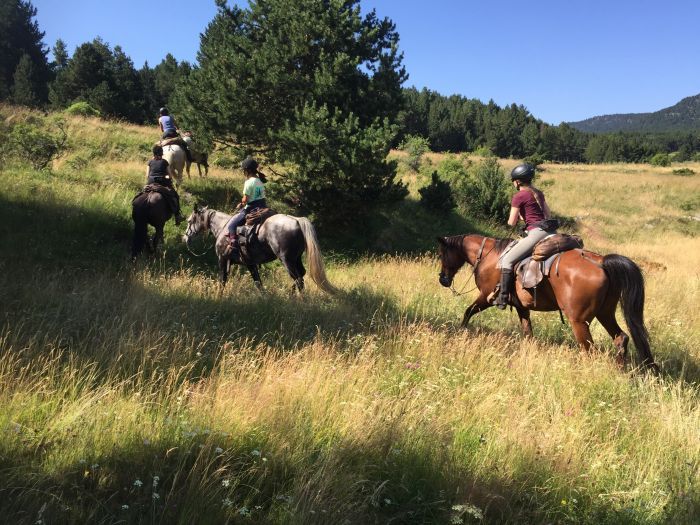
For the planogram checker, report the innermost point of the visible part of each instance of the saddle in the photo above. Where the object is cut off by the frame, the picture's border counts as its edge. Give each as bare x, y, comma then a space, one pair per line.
248, 233
169, 194
532, 270
172, 141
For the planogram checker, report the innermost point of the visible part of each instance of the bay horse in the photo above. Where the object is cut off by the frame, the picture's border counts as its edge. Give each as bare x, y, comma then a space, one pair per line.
585, 286
282, 237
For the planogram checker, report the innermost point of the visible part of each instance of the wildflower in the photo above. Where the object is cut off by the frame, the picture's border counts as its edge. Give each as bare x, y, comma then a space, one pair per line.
244, 511
225, 482
387, 501
218, 450
125, 507
138, 483
563, 502
156, 479
226, 502
156, 496
264, 459
255, 452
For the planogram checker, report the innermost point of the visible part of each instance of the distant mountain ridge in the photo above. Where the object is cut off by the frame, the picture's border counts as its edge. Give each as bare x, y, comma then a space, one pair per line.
684, 116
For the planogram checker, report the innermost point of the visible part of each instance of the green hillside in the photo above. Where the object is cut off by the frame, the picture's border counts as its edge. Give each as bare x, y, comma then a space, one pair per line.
684, 116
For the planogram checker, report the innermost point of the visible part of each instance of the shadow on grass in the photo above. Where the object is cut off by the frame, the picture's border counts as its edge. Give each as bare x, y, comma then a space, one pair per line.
211, 478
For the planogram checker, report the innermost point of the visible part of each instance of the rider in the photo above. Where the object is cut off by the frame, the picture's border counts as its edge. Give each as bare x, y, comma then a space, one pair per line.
158, 172
253, 198
529, 204
169, 129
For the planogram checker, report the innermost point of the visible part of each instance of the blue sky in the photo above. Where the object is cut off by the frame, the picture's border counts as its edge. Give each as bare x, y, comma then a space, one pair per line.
564, 60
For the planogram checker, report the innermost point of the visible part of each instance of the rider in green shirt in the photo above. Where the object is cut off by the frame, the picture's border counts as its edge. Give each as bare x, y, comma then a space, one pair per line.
253, 198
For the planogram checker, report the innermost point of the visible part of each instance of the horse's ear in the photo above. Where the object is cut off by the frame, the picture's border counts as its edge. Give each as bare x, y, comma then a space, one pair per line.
442, 240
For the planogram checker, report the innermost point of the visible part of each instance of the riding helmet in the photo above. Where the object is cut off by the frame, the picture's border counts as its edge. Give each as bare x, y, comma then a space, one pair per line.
524, 172
163, 111
249, 164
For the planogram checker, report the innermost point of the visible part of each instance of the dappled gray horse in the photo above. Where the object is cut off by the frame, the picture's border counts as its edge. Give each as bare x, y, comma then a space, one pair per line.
280, 237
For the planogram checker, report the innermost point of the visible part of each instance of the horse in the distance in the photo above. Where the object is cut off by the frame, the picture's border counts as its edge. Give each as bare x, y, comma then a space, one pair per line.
584, 287
148, 208
280, 237
200, 158
177, 159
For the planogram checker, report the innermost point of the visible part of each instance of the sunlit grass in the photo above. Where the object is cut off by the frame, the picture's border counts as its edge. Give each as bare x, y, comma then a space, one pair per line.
147, 395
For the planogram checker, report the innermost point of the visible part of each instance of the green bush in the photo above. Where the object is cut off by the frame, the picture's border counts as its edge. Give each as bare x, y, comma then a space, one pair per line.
82, 109
33, 144
483, 151
437, 196
416, 147
660, 159
486, 193
535, 159
683, 171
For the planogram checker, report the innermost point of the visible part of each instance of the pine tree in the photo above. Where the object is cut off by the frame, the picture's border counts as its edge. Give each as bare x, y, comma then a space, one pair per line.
20, 36
24, 83
309, 83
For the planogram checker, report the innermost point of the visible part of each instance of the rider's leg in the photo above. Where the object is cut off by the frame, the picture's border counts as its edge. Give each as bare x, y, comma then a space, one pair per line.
233, 224
515, 254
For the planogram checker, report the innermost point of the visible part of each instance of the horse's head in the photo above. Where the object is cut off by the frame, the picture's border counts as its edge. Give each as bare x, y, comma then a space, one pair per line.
451, 259
197, 222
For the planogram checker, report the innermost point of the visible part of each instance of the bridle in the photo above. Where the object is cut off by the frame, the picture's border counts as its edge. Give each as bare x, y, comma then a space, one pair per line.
479, 257
189, 235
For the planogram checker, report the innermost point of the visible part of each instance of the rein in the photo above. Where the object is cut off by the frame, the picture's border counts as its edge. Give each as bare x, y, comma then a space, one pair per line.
476, 264
209, 216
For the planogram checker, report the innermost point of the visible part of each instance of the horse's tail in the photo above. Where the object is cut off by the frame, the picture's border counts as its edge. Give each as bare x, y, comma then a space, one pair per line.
139, 214
626, 276
316, 267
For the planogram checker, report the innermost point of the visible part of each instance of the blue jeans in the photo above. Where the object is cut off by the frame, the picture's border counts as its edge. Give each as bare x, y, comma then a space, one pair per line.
239, 219
236, 221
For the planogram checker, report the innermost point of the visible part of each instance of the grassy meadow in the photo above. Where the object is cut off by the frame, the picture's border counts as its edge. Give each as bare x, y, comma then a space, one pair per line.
141, 394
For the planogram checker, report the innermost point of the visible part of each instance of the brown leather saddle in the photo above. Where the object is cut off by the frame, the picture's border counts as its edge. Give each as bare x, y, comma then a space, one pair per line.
248, 233
532, 270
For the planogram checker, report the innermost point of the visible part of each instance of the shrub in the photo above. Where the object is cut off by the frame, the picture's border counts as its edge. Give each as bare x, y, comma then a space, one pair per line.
483, 151
82, 109
33, 144
683, 171
486, 193
535, 159
437, 196
660, 159
416, 147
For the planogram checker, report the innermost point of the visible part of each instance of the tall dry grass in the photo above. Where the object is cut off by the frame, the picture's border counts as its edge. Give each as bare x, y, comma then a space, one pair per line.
144, 395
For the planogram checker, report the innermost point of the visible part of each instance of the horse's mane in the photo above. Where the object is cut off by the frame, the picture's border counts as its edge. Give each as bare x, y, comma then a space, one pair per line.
457, 241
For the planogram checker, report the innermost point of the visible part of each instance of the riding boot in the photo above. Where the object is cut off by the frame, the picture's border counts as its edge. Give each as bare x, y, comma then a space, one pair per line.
507, 278
232, 251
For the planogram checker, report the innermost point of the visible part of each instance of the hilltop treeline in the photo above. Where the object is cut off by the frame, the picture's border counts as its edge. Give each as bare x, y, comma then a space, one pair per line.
108, 81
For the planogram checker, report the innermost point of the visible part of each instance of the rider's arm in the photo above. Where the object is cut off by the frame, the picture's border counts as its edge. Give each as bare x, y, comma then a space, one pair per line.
148, 171
514, 216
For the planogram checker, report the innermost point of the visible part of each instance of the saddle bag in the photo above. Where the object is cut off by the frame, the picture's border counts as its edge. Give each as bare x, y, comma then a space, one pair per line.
559, 242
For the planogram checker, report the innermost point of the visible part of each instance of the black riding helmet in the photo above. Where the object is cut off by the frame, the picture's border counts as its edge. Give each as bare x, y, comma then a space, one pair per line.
249, 164
524, 172
163, 111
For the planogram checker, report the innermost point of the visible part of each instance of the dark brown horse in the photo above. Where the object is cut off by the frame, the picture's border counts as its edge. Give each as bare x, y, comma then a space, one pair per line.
586, 286
148, 208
